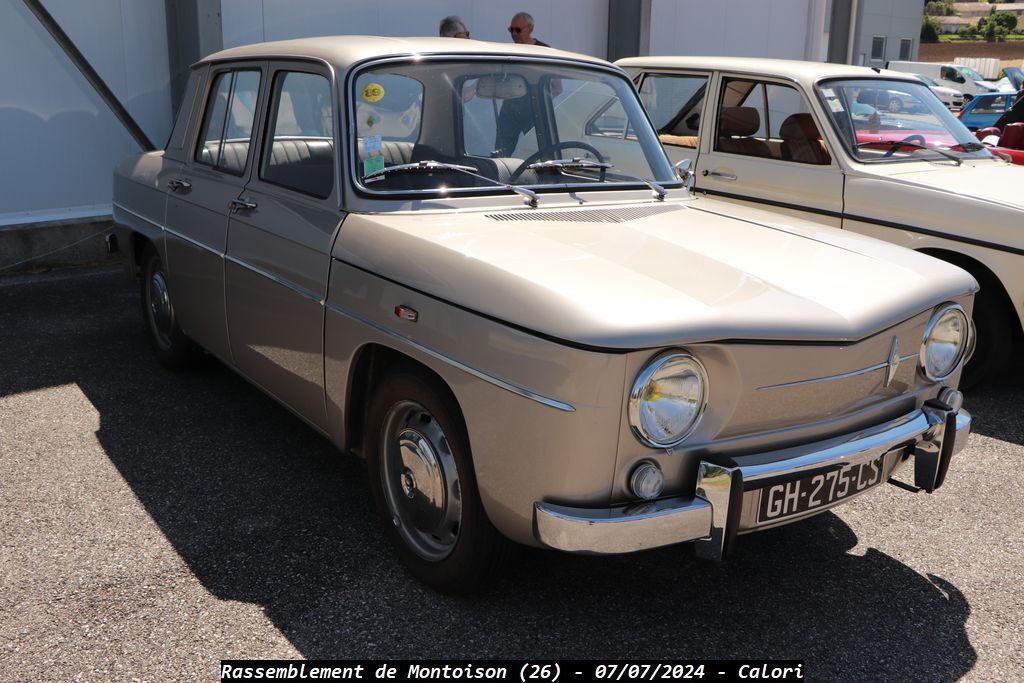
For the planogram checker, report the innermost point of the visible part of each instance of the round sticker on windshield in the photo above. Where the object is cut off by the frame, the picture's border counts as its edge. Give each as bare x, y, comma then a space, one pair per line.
373, 92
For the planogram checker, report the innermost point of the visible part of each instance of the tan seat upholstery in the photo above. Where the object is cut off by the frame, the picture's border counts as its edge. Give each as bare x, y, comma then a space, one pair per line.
801, 141
736, 126
689, 141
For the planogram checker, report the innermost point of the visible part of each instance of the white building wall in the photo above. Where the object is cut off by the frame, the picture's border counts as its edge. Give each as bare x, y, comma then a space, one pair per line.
60, 141
784, 29
575, 25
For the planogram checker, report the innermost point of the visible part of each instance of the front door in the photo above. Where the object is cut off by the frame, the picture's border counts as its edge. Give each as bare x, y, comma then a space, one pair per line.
279, 245
765, 149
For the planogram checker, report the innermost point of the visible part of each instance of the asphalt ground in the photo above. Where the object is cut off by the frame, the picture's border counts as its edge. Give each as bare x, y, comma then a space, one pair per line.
153, 523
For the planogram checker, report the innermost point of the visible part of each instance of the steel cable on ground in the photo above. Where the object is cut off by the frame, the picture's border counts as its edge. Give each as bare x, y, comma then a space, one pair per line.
49, 253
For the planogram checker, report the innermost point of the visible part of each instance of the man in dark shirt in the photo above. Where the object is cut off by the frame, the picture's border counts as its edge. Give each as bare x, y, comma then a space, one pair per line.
521, 30
516, 115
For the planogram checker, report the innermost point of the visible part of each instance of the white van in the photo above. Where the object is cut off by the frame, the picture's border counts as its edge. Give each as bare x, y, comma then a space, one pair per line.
956, 76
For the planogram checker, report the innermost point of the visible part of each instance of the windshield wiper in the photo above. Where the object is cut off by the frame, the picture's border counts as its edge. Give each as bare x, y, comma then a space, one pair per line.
973, 146
430, 166
893, 145
578, 164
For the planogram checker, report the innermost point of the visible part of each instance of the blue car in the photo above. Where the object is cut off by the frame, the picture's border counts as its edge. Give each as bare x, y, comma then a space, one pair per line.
984, 110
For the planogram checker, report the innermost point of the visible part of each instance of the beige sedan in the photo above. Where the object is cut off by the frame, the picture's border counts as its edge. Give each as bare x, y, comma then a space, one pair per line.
822, 141
474, 266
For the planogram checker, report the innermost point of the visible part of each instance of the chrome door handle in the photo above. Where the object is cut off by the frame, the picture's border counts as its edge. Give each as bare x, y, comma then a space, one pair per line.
720, 174
241, 205
177, 185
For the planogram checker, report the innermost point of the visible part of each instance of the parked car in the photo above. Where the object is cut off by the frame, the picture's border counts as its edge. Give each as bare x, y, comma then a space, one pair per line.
473, 265
953, 99
984, 110
961, 78
793, 137
1012, 79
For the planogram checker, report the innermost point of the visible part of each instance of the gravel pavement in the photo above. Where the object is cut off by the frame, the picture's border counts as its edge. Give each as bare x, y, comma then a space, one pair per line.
153, 523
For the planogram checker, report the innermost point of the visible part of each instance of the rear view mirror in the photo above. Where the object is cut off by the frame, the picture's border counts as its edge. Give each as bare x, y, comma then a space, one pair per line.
501, 87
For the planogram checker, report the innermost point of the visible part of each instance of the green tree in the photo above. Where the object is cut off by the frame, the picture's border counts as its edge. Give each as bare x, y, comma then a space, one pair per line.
929, 30
1007, 20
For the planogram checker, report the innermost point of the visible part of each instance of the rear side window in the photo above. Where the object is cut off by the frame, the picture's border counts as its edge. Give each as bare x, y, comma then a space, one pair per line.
226, 135
299, 152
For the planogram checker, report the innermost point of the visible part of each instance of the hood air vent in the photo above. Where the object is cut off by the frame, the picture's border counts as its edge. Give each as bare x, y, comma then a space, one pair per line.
622, 215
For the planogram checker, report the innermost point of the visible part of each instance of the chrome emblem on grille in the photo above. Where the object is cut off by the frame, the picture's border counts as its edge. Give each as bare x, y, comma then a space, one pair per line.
893, 362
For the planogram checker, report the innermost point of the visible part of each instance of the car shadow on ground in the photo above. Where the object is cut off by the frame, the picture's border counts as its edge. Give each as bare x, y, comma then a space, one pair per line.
989, 403
265, 511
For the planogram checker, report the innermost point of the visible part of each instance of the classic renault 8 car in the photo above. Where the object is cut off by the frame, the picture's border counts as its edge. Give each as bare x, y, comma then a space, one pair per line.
523, 319
819, 140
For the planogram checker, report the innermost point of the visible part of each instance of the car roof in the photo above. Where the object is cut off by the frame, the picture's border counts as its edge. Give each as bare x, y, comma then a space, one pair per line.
800, 71
343, 52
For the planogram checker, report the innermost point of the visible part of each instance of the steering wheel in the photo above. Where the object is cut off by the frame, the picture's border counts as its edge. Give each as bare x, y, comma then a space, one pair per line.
916, 138
551, 149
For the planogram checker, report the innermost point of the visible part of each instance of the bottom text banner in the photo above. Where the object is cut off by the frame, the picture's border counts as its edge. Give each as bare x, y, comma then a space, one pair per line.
525, 671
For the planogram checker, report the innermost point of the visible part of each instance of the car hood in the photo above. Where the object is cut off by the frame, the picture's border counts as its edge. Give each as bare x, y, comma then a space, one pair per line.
985, 181
652, 274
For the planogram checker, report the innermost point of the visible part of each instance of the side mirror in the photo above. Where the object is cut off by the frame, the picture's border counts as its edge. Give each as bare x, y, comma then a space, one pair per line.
683, 170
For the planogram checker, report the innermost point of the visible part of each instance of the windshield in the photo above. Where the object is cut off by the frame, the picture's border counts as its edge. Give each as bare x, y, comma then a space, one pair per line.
872, 115
474, 125
970, 73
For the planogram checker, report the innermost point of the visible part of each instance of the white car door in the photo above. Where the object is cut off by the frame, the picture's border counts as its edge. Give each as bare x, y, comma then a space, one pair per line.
764, 148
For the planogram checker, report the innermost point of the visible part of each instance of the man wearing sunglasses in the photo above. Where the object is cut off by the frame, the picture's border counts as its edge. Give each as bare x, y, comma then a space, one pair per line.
521, 30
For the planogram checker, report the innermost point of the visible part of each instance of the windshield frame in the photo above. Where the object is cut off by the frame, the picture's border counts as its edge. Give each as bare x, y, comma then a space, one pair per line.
348, 131
940, 111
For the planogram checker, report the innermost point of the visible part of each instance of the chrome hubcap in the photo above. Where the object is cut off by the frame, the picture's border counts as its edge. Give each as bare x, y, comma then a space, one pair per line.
421, 482
160, 308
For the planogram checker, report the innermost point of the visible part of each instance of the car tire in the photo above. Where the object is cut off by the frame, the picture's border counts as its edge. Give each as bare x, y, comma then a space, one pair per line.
423, 484
993, 340
173, 348
895, 105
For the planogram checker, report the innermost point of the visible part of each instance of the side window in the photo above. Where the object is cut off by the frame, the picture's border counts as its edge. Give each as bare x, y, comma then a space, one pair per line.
768, 120
674, 104
299, 151
226, 134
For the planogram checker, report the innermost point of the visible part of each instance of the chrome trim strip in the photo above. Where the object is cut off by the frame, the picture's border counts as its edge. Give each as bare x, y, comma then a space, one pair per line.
138, 215
507, 386
193, 242
829, 378
288, 284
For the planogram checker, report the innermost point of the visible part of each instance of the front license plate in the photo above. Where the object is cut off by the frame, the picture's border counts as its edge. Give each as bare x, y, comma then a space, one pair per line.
819, 490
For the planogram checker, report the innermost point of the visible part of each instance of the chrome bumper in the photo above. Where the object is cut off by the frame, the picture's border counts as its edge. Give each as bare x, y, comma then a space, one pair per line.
728, 491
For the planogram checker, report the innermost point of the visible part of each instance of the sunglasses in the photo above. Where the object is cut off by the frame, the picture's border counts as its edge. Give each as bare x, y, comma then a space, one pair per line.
515, 29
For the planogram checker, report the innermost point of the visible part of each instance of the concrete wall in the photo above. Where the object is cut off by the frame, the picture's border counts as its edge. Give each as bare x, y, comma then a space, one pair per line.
575, 25
786, 29
60, 141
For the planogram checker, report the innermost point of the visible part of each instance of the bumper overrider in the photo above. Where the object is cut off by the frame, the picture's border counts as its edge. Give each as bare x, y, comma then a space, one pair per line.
729, 490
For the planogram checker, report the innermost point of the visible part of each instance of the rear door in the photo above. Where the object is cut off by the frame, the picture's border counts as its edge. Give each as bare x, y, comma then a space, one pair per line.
764, 147
279, 242
211, 176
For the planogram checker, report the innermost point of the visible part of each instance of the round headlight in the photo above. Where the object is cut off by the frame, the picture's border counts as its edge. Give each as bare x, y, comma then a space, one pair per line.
668, 399
945, 344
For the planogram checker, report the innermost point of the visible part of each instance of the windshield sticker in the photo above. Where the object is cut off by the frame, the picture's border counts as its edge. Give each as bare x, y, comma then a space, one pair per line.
835, 105
828, 93
373, 92
372, 165
371, 143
